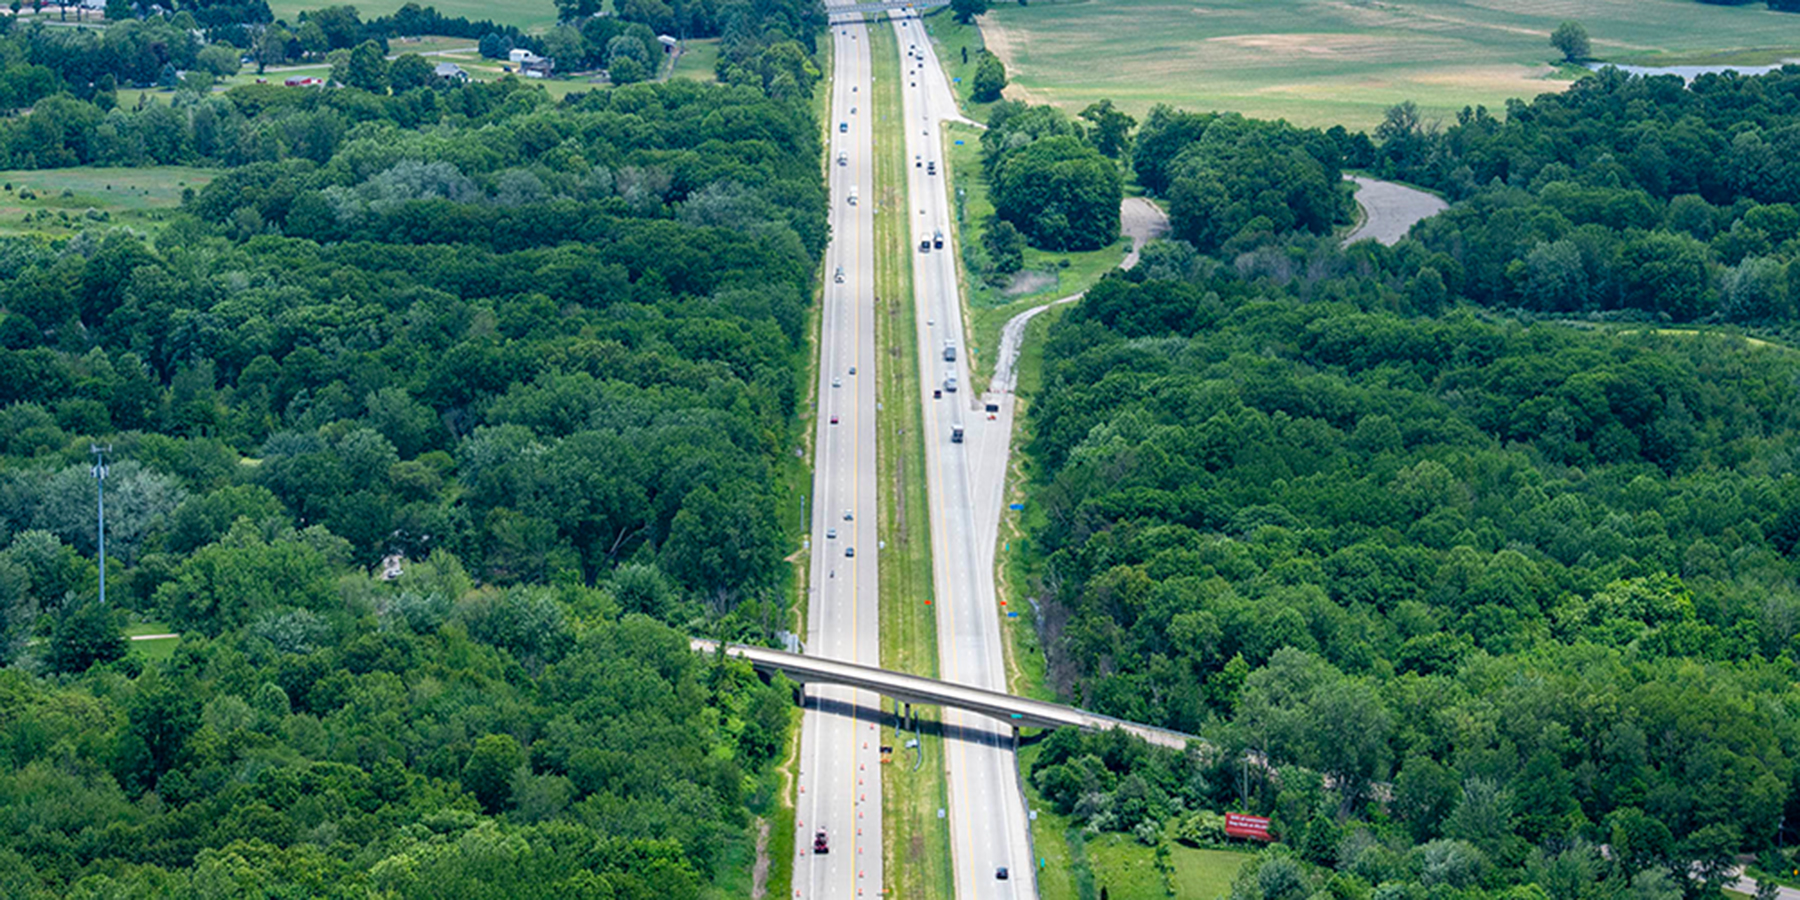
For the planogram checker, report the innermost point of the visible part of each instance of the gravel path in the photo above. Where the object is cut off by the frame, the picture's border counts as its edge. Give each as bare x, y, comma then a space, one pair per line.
1140, 220
1390, 210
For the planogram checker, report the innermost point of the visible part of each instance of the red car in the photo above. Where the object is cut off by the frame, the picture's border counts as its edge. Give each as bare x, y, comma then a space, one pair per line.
834, 419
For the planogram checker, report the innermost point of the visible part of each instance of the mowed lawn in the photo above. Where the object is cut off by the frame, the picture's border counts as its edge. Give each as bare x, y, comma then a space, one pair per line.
1324, 62
530, 15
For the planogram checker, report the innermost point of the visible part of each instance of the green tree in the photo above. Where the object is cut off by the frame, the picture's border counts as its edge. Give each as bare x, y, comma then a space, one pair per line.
1572, 39
1111, 132
1060, 193
86, 633
489, 772
410, 71
966, 10
1005, 246
989, 80
368, 68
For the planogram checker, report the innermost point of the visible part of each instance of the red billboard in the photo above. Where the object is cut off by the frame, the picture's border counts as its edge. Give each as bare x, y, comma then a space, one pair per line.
1255, 828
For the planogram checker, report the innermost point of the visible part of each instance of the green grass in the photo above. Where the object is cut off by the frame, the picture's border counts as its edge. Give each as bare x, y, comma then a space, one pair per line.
698, 59
990, 308
1323, 62
138, 197
917, 849
530, 15
1076, 867
952, 39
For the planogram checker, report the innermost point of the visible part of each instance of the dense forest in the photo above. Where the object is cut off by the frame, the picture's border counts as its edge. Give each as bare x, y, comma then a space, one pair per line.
1535, 582
543, 355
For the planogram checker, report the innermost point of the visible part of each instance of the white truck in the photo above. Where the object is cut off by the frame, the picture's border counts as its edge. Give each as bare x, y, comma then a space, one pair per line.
853, 195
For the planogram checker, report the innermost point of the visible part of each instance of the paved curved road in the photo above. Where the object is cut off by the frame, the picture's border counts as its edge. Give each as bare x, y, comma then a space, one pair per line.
1390, 210
1140, 220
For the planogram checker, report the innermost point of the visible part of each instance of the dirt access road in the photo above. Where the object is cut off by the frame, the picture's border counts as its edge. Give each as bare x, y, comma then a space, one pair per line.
1390, 210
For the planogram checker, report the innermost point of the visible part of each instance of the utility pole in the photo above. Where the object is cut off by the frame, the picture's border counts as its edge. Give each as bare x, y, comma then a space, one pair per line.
100, 483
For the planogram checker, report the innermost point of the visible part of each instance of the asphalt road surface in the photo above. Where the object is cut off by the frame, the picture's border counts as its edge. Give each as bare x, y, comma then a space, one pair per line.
988, 828
840, 756
1390, 210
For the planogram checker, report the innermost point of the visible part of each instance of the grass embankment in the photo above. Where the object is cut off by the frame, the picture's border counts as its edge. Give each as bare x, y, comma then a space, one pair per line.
153, 649
1321, 62
1044, 277
59, 201
916, 852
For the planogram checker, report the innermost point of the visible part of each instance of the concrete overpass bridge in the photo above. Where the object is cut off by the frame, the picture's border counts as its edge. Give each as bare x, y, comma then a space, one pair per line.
1020, 711
856, 12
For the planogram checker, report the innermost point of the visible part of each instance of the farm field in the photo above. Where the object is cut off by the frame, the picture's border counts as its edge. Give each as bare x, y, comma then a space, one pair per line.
530, 15
1325, 62
64, 197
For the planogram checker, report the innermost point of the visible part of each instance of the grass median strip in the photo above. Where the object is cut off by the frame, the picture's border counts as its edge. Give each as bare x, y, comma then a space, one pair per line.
917, 851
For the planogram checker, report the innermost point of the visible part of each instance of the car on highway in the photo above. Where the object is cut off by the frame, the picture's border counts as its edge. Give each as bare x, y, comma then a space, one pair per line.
836, 382
853, 370
1000, 873
839, 277
848, 517
918, 161
831, 534
949, 384
931, 168
843, 158
843, 128
924, 245
853, 110
849, 551
821, 843
937, 240
834, 418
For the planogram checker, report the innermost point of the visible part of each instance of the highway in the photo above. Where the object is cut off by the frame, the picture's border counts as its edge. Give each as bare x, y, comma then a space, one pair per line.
988, 827
840, 757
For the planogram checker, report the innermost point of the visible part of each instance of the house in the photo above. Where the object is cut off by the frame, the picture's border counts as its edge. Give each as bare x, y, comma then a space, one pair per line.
670, 43
521, 56
537, 67
450, 72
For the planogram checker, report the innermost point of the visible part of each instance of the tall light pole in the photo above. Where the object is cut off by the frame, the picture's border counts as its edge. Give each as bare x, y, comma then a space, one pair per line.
100, 483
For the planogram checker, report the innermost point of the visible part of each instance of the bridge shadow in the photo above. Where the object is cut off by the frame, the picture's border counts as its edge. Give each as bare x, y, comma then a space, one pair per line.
998, 736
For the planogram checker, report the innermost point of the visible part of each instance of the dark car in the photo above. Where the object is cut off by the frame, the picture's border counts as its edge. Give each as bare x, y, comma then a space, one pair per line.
1001, 873
849, 551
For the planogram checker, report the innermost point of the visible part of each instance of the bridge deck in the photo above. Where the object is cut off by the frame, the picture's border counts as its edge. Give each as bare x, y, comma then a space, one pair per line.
1020, 711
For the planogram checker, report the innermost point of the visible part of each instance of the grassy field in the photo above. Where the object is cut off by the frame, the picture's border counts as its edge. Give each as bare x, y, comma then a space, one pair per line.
64, 199
157, 649
530, 15
1322, 62
917, 850
698, 59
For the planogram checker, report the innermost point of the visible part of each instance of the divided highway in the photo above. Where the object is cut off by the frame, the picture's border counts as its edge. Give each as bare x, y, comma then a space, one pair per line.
988, 828
840, 758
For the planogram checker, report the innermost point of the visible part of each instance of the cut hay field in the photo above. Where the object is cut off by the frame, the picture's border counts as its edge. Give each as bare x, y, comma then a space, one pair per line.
1325, 62
530, 15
